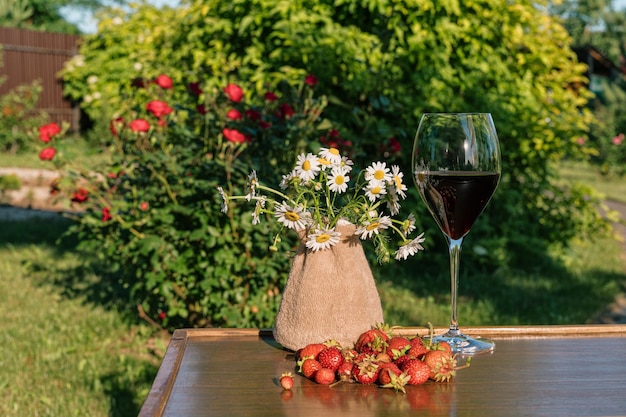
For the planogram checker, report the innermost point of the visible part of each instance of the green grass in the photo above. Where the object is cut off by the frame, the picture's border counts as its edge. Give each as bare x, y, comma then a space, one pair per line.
613, 188
74, 149
63, 354
567, 287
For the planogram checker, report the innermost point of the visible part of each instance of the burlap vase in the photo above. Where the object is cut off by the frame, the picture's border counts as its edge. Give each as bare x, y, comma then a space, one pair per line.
330, 294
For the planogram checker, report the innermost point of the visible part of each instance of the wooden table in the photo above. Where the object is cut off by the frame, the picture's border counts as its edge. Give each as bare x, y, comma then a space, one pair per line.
534, 371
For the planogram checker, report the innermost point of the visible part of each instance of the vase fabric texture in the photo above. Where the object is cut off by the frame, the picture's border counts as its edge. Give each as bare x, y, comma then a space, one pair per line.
330, 294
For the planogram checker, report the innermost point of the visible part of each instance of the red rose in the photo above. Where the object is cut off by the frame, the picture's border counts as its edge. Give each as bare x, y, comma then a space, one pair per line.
164, 82
271, 96
46, 132
201, 108
195, 88
162, 315
234, 135
311, 80
286, 111
80, 196
264, 125
144, 205
253, 115
158, 108
234, 92
139, 125
233, 114
47, 154
106, 214
115, 125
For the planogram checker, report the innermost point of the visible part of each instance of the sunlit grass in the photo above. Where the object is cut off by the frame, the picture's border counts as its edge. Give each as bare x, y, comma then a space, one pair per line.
63, 355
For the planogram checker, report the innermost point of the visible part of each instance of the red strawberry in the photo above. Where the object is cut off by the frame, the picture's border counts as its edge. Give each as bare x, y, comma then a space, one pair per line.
372, 341
443, 345
325, 376
397, 346
311, 351
309, 367
417, 371
402, 359
365, 369
418, 348
344, 372
385, 372
330, 358
442, 365
286, 380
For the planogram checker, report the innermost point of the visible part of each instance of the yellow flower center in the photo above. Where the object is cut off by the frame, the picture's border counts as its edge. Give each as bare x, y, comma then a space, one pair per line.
379, 175
292, 216
398, 182
323, 238
375, 190
334, 151
372, 226
323, 161
421, 177
339, 179
306, 165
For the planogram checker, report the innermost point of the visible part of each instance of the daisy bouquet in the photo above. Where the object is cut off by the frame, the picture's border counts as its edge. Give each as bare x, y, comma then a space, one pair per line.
323, 190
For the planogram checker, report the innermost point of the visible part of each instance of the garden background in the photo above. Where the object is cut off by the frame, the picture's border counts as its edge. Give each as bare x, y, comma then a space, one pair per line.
89, 300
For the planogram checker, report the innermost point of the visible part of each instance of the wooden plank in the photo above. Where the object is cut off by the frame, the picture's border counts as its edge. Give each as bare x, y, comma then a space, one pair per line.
535, 370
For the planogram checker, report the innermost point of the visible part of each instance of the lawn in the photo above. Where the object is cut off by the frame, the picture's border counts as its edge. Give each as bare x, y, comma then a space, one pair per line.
65, 350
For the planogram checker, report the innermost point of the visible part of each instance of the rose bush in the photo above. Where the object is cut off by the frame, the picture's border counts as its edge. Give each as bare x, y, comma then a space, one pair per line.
152, 214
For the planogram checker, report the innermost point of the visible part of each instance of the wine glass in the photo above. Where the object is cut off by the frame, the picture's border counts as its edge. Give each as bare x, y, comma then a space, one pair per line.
456, 166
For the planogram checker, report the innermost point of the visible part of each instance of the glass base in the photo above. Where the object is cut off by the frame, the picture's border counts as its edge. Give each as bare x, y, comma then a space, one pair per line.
465, 345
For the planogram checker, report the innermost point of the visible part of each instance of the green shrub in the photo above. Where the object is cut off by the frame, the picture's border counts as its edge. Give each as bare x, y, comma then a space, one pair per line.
152, 214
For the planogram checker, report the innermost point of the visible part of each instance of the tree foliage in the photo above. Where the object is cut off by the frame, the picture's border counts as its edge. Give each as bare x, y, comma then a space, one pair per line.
382, 63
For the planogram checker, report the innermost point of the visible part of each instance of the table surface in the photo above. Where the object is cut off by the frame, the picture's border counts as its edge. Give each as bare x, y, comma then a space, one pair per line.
534, 371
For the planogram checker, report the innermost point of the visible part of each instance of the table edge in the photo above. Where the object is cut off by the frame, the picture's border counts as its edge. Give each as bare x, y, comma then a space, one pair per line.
158, 396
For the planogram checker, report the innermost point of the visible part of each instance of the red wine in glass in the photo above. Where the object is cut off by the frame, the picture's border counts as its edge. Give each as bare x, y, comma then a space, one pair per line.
456, 167
456, 198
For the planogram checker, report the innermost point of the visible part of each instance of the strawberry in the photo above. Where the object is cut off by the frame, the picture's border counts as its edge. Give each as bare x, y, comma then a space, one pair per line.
397, 382
365, 369
417, 371
442, 365
325, 376
385, 372
286, 380
372, 341
418, 348
344, 372
397, 346
330, 358
309, 367
402, 359
311, 351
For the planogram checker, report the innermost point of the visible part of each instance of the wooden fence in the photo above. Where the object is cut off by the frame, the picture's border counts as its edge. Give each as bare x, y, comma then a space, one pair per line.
30, 55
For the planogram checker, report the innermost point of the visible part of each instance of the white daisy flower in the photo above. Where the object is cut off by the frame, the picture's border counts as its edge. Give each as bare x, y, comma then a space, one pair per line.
331, 154
370, 228
378, 171
410, 248
291, 217
346, 164
393, 202
396, 177
408, 225
224, 199
322, 239
260, 205
375, 190
307, 167
284, 183
338, 181
252, 183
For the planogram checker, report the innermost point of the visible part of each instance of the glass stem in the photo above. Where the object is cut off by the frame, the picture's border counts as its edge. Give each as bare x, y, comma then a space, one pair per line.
454, 246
